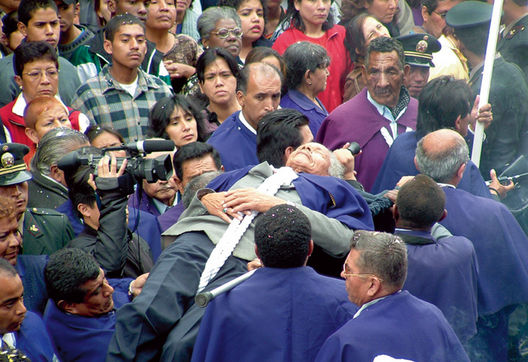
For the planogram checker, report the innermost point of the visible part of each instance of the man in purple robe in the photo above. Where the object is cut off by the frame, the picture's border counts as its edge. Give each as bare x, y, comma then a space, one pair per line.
442, 271
500, 243
377, 115
295, 308
258, 92
390, 321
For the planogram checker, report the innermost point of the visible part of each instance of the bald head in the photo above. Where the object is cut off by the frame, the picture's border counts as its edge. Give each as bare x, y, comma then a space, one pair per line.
440, 155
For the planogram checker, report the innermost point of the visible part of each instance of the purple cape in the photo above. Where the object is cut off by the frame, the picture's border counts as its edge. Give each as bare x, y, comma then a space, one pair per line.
358, 120
500, 244
401, 326
236, 144
399, 162
444, 273
276, 315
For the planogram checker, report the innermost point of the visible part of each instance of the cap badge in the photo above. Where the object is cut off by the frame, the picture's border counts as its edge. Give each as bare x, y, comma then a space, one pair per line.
421, 47
8, 160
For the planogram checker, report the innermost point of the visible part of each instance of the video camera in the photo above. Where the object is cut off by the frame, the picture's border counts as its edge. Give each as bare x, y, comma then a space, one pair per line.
139, 167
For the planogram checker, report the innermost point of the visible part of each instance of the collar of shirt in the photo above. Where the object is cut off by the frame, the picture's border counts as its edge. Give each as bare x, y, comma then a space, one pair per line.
163, 207
385, 111
9, 339
366, 305
20, 104
143, 83
507, 29
445, 185
246, 123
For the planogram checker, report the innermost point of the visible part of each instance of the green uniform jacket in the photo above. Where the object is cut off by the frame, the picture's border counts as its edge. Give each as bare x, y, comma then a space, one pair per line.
45, 231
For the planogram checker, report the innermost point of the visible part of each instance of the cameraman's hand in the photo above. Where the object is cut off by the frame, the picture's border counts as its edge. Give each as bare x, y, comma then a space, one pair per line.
107, 167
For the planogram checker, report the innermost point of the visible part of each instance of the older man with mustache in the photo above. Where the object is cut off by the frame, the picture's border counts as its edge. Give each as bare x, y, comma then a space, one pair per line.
378, 114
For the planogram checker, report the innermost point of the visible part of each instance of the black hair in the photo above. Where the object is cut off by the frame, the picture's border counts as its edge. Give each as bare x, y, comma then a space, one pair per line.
386, 45
66, 271
293, 18
7, 269
94, 131
277, 131
209, 56
300, 57
161, 113
26, 8
114, 24
442, 101
10, 23
420, 202
79, 191
28, 52
191, 151
282, 236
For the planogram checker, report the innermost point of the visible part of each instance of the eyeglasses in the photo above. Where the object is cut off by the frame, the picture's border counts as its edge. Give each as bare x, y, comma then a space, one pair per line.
359, 275
224, 33
36, 75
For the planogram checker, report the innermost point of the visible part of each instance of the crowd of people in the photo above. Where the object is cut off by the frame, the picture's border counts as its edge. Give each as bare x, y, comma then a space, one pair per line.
308, 158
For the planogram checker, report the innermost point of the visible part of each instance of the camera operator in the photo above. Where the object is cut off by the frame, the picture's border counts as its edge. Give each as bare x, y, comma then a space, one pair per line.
101, 203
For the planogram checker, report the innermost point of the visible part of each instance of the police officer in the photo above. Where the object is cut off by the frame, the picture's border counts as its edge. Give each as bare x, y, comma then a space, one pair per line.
513, 41
418, 50
44, 231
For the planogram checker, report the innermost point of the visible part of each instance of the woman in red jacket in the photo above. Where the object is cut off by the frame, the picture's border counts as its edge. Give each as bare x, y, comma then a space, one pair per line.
311, 20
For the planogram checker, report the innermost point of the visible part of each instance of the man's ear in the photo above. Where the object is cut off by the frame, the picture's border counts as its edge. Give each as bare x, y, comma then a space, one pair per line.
395, 213
310, 248
67, 306
375, 287
57, 174
444, 215
458, 123
83, 209
179, 184
22, 28
287, 153
77, 9
107, 45
406, 70
241, 98
425, 13
32, 135
416, 164
461, 170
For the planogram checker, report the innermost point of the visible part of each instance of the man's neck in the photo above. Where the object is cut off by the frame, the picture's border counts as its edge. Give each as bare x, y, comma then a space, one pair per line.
122, 74
70, 35
250, 123
514, 14
402, 224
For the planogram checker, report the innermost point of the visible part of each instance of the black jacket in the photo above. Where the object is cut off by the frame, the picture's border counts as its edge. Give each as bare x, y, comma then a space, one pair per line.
119, 252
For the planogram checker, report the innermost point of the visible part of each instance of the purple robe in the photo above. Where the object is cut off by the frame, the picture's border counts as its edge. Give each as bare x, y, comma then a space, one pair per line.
500, 244
296, 100
444, 272
275, 315
400, 326
33, 340
399, 162
235, 143
358, 120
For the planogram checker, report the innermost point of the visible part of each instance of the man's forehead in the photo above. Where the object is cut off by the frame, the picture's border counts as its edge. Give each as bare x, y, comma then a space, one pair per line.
133, 30
383, 57
12, 287
44, 14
